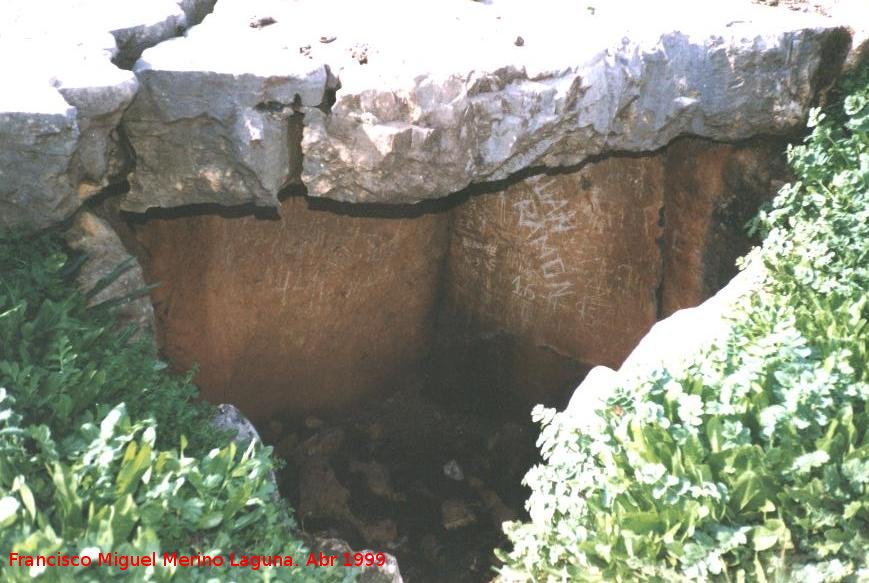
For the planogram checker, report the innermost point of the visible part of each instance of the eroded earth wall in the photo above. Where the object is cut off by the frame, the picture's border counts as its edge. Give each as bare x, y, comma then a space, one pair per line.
513, 293
313, 310
577, 209
713, 190
555, 265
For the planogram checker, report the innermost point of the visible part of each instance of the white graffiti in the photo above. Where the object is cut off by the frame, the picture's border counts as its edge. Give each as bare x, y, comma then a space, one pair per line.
542, 216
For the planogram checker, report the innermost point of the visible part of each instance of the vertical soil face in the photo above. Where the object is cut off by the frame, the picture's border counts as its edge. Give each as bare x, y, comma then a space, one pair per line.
713, 190
559, 271
502, 299
303, 313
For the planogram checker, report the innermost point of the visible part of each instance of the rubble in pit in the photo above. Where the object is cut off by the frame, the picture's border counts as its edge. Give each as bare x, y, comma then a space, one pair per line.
428, 482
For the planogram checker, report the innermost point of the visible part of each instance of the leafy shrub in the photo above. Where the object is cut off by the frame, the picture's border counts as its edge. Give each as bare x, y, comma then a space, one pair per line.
102, 450
753, 463
60, 358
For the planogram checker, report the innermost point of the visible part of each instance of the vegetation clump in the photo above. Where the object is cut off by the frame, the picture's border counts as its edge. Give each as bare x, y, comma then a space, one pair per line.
104, 452
753, 462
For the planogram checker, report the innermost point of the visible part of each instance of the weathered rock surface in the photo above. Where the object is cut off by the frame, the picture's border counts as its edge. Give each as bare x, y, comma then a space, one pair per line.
105, 252
456, 514
712, 191
568, 261
851, 13
258, 98
63, 97
387, 573
307, 312
434, 99
229, 418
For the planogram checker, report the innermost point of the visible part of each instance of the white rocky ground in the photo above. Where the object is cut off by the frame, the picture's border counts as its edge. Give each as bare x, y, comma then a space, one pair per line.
63, 96
434, 96
429, 97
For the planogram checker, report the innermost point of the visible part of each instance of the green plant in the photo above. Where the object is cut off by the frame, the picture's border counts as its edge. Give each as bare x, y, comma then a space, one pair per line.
63, 359
753, 463
103, 451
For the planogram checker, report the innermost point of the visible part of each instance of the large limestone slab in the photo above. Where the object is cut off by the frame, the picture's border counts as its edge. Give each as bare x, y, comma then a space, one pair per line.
229, 135
851, 13
422, 102
63, 97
